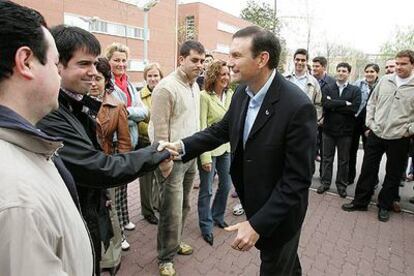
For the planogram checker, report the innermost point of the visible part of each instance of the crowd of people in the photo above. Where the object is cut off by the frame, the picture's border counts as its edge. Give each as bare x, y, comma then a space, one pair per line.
74, 131
376, 111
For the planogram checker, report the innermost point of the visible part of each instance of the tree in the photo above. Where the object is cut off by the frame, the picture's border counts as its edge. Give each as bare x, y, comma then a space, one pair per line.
402, 40
262, 15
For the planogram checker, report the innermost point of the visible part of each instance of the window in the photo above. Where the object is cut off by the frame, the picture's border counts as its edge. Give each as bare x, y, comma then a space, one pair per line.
190, 28
136, 65
222, 48
221, 26
97, 25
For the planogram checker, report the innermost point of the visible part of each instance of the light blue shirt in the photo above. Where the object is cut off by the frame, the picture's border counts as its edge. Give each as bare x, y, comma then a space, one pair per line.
254, 106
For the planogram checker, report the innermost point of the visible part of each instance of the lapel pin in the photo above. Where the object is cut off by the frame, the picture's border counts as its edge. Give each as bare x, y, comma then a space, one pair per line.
267, 112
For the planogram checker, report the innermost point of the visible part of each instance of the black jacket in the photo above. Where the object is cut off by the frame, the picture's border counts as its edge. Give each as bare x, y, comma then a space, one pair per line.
273, 172
91, 168
339, 119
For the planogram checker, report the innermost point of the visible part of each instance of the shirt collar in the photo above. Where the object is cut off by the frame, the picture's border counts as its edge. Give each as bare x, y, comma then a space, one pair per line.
259, 97
342, 85
77, 97
299, 77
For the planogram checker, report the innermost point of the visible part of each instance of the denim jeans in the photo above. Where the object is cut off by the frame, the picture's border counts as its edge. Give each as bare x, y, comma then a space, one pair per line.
207, 215
174, 207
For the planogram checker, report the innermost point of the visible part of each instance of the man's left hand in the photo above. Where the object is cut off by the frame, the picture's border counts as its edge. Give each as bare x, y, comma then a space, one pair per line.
246, 236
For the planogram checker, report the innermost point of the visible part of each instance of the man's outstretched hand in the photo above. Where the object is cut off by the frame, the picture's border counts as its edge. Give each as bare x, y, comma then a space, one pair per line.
174, 148
246, 236
167, 165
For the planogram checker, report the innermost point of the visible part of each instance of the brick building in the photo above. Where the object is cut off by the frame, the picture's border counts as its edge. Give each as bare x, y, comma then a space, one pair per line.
212, 27
120, 21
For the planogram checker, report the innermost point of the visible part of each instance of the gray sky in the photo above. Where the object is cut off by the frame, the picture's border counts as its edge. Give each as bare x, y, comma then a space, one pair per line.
362, 24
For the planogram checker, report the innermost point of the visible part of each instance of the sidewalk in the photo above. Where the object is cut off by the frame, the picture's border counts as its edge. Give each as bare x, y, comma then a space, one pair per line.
333, 242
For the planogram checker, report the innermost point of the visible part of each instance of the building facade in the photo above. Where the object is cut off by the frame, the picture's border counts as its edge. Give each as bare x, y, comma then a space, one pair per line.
120, 21
212, 27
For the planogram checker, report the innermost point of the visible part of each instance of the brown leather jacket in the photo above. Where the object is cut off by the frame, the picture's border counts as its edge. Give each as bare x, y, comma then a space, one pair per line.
112, 119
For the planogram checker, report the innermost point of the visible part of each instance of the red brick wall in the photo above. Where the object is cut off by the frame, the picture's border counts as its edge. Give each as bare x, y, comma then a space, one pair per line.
161, 22
206, 18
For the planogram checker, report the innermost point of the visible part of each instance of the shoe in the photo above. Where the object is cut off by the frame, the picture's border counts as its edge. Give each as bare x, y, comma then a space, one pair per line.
321, 189
396, 207
318, 158
383, 215
130, 226
342, 193
410, 177
209, 238
166, 269
350, 207
221, 225
238, 210
185, 249
125, 245
151, 219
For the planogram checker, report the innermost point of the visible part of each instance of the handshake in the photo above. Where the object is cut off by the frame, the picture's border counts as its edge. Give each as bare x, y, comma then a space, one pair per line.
175, 149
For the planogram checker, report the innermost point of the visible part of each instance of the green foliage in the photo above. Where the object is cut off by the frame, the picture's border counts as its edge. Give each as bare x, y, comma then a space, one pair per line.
402, 40
261, 14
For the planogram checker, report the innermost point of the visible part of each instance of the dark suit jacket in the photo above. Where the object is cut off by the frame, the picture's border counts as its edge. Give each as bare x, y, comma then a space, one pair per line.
273, 172
339, 118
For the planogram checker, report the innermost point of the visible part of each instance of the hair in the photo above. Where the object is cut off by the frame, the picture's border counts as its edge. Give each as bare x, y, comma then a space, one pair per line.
102, 66
322, 60
373, 65
262, 41
344, 64
116, 47
212, 73
20, 26
189, 45
151, 66
70, 39
406, 53
209, 55
301, 51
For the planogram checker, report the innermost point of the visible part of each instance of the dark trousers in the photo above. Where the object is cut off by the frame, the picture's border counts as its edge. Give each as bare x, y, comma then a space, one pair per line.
396, 152
281, 261
320, 149
353, 153
330, 143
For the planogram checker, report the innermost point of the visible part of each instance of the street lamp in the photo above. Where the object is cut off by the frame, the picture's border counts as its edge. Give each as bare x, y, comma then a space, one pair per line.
146, 6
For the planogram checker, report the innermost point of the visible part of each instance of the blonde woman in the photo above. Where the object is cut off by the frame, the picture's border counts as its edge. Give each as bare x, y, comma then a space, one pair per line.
214, 102
117, 55
149, 190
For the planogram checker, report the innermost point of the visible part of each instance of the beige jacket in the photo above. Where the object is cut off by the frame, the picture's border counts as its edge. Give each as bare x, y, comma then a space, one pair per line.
42, 232
175, 109
313, 91
390, 110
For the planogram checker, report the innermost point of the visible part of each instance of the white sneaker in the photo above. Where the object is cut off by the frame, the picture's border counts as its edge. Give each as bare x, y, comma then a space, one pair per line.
125, 245
130, 226
238, 210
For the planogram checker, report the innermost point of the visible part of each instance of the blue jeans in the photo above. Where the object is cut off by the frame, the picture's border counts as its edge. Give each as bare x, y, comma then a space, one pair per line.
207, 215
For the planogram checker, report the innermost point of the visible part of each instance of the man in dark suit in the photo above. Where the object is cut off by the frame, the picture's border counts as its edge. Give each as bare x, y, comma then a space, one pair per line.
340, 102
271, 126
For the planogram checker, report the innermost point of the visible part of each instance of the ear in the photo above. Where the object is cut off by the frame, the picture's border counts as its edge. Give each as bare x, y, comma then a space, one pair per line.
24, 62
263, 59
60, 68
180, 60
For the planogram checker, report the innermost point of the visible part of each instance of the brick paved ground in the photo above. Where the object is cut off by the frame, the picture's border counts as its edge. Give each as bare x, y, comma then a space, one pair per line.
333, 242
